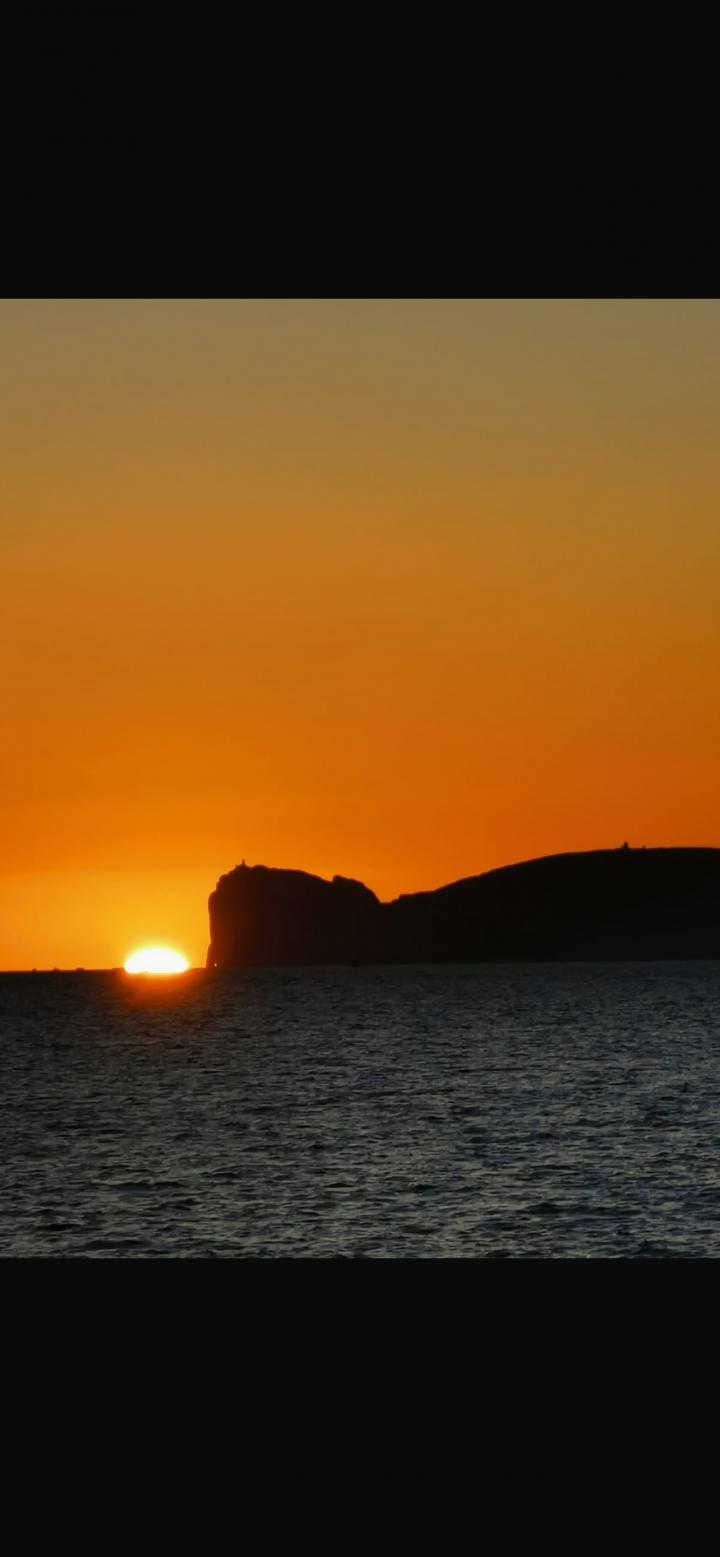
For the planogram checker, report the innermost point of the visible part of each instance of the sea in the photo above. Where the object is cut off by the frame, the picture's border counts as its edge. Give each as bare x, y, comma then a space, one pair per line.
553, 1111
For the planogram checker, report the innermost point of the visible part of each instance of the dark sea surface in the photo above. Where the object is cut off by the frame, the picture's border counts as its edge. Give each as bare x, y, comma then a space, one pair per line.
507, 1110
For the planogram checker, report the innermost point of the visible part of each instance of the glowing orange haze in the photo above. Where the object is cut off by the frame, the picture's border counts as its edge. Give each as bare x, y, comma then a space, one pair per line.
400, 590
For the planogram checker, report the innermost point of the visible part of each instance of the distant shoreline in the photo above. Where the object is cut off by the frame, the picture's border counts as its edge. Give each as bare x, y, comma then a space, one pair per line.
194, 974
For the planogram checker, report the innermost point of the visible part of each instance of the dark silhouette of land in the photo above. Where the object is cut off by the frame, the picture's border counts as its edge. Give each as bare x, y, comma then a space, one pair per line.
608, 904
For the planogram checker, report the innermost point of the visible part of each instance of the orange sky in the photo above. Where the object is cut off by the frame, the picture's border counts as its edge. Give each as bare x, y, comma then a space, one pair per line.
403, 590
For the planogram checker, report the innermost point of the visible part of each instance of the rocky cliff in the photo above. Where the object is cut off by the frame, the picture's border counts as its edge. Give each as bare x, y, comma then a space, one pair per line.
620, 903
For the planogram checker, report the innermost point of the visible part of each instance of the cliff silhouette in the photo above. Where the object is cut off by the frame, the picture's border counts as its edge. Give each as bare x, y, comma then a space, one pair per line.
607, 904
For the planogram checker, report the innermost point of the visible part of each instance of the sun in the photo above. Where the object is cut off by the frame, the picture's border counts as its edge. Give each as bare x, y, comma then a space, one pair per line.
156, 959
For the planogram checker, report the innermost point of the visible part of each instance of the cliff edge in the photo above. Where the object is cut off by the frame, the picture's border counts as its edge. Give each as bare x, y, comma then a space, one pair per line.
606, 904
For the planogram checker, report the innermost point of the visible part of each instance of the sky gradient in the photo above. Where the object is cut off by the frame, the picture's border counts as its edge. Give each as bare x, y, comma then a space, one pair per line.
403, 590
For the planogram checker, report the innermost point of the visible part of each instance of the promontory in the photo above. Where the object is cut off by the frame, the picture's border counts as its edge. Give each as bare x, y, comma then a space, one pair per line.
606, 904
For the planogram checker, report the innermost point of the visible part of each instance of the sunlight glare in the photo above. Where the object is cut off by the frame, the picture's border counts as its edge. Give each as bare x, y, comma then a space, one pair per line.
156, 959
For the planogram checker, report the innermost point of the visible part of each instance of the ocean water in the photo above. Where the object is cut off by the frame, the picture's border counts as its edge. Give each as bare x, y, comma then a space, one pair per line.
564, 1110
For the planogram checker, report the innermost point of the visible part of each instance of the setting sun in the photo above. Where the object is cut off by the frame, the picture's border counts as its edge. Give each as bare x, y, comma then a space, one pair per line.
156, 959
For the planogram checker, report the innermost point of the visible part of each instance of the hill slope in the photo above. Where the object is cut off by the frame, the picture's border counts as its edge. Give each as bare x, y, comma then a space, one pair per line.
608, 904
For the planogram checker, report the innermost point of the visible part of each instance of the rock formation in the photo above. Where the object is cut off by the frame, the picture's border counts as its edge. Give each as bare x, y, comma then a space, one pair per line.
608, 904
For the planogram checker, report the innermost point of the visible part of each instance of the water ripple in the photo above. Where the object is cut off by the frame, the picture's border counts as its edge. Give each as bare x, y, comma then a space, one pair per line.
492, 1112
